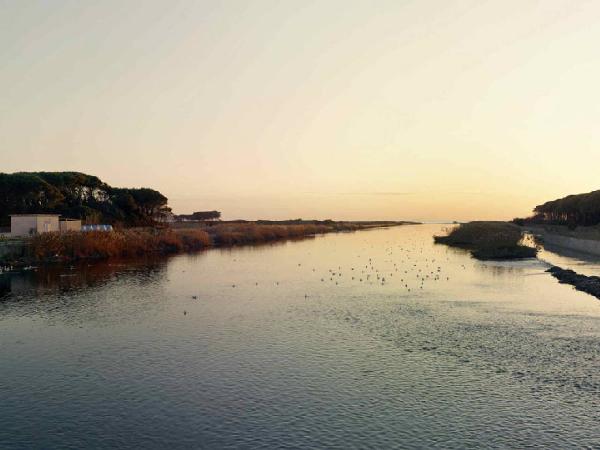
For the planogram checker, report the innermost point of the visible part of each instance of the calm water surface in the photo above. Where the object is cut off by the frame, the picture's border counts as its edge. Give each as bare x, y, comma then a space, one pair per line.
300, 345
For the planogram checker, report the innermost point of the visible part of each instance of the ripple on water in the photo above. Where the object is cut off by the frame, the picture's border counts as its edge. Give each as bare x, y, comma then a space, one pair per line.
484, 356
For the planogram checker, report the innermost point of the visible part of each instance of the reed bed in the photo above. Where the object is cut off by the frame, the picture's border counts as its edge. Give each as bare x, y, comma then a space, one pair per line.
125, 243
136, 242
249, 233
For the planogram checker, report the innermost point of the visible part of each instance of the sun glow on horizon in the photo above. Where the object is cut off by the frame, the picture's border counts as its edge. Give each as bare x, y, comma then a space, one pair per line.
423, 110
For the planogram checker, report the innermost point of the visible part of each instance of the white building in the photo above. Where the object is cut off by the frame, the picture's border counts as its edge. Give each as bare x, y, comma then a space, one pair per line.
66, 225
22, 225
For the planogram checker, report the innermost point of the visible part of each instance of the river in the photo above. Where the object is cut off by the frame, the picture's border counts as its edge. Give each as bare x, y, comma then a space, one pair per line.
371, 339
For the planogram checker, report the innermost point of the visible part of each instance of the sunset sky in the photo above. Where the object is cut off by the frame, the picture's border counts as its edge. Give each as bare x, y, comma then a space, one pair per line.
424, 110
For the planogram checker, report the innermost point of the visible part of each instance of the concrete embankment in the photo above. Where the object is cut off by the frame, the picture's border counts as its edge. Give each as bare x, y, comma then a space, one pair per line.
558, 241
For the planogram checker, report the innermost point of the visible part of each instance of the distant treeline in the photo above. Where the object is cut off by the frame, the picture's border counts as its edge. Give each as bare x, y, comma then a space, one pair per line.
77, 195
200, 216
572, 210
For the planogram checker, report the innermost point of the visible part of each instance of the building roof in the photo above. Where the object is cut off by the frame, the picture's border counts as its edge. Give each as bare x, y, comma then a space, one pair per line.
34, 215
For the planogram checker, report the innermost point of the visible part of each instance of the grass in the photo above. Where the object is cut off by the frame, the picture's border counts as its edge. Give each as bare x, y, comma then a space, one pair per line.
144, 241
183, 237
126, 243
250, 233
488, 240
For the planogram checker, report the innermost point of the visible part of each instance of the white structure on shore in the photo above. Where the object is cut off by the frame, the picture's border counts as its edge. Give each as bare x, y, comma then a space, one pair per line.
69, 225
23, 225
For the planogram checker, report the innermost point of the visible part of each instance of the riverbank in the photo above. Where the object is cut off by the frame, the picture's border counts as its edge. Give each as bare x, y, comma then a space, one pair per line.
191, 237
582, 239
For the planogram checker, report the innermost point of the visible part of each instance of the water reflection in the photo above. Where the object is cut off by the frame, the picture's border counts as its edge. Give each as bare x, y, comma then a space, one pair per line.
56, 278
83, 293
377, 339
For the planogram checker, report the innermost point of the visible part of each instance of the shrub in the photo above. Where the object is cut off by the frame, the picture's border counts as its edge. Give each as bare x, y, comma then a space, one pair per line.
488, 240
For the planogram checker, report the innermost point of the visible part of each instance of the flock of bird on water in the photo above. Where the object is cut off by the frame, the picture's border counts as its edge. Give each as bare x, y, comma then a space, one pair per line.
407, 269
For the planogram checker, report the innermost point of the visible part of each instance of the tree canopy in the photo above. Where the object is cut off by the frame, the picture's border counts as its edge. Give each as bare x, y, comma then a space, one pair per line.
201, 215
580, 209
77, 195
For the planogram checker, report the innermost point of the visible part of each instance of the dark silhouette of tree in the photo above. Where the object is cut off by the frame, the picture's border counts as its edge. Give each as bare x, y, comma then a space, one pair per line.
572, 210
77, 195
206, 215
201, 215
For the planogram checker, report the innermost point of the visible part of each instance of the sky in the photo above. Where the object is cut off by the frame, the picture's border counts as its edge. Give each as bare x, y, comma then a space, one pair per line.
422, 110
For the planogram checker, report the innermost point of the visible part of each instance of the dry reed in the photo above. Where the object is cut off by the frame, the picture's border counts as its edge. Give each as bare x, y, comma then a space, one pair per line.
137, 242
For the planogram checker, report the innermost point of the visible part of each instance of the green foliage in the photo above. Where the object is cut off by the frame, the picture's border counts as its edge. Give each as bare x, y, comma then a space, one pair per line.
77, 195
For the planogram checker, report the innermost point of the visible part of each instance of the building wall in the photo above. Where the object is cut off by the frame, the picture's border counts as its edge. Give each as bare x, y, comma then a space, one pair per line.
22, 226
47, 224
70, 225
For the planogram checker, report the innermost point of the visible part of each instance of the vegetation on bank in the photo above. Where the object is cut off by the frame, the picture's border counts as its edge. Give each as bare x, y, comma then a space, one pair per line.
79, 196
162, 241
328, 224
488, 240
124, 243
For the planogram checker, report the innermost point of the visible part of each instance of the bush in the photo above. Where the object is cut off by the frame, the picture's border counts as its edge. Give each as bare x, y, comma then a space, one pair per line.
488, 240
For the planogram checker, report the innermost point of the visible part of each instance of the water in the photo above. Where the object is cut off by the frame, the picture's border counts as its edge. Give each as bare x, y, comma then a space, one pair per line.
583, 263
484, 355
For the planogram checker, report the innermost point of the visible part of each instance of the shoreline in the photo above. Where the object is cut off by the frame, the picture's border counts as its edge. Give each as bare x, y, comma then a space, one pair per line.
49, 248
558, 239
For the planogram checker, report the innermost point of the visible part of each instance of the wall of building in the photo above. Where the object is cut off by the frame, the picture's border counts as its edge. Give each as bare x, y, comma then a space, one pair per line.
46, 224
70, 225
22, 226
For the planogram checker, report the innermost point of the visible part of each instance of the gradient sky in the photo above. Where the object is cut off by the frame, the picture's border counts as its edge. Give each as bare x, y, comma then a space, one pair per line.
327, 109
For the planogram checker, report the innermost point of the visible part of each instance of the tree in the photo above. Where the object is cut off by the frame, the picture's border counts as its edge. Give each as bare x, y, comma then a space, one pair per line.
572, 210
77, 195
23, 193
206, 215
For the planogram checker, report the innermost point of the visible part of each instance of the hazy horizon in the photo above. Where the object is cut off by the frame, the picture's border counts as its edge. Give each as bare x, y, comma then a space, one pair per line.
416, 110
